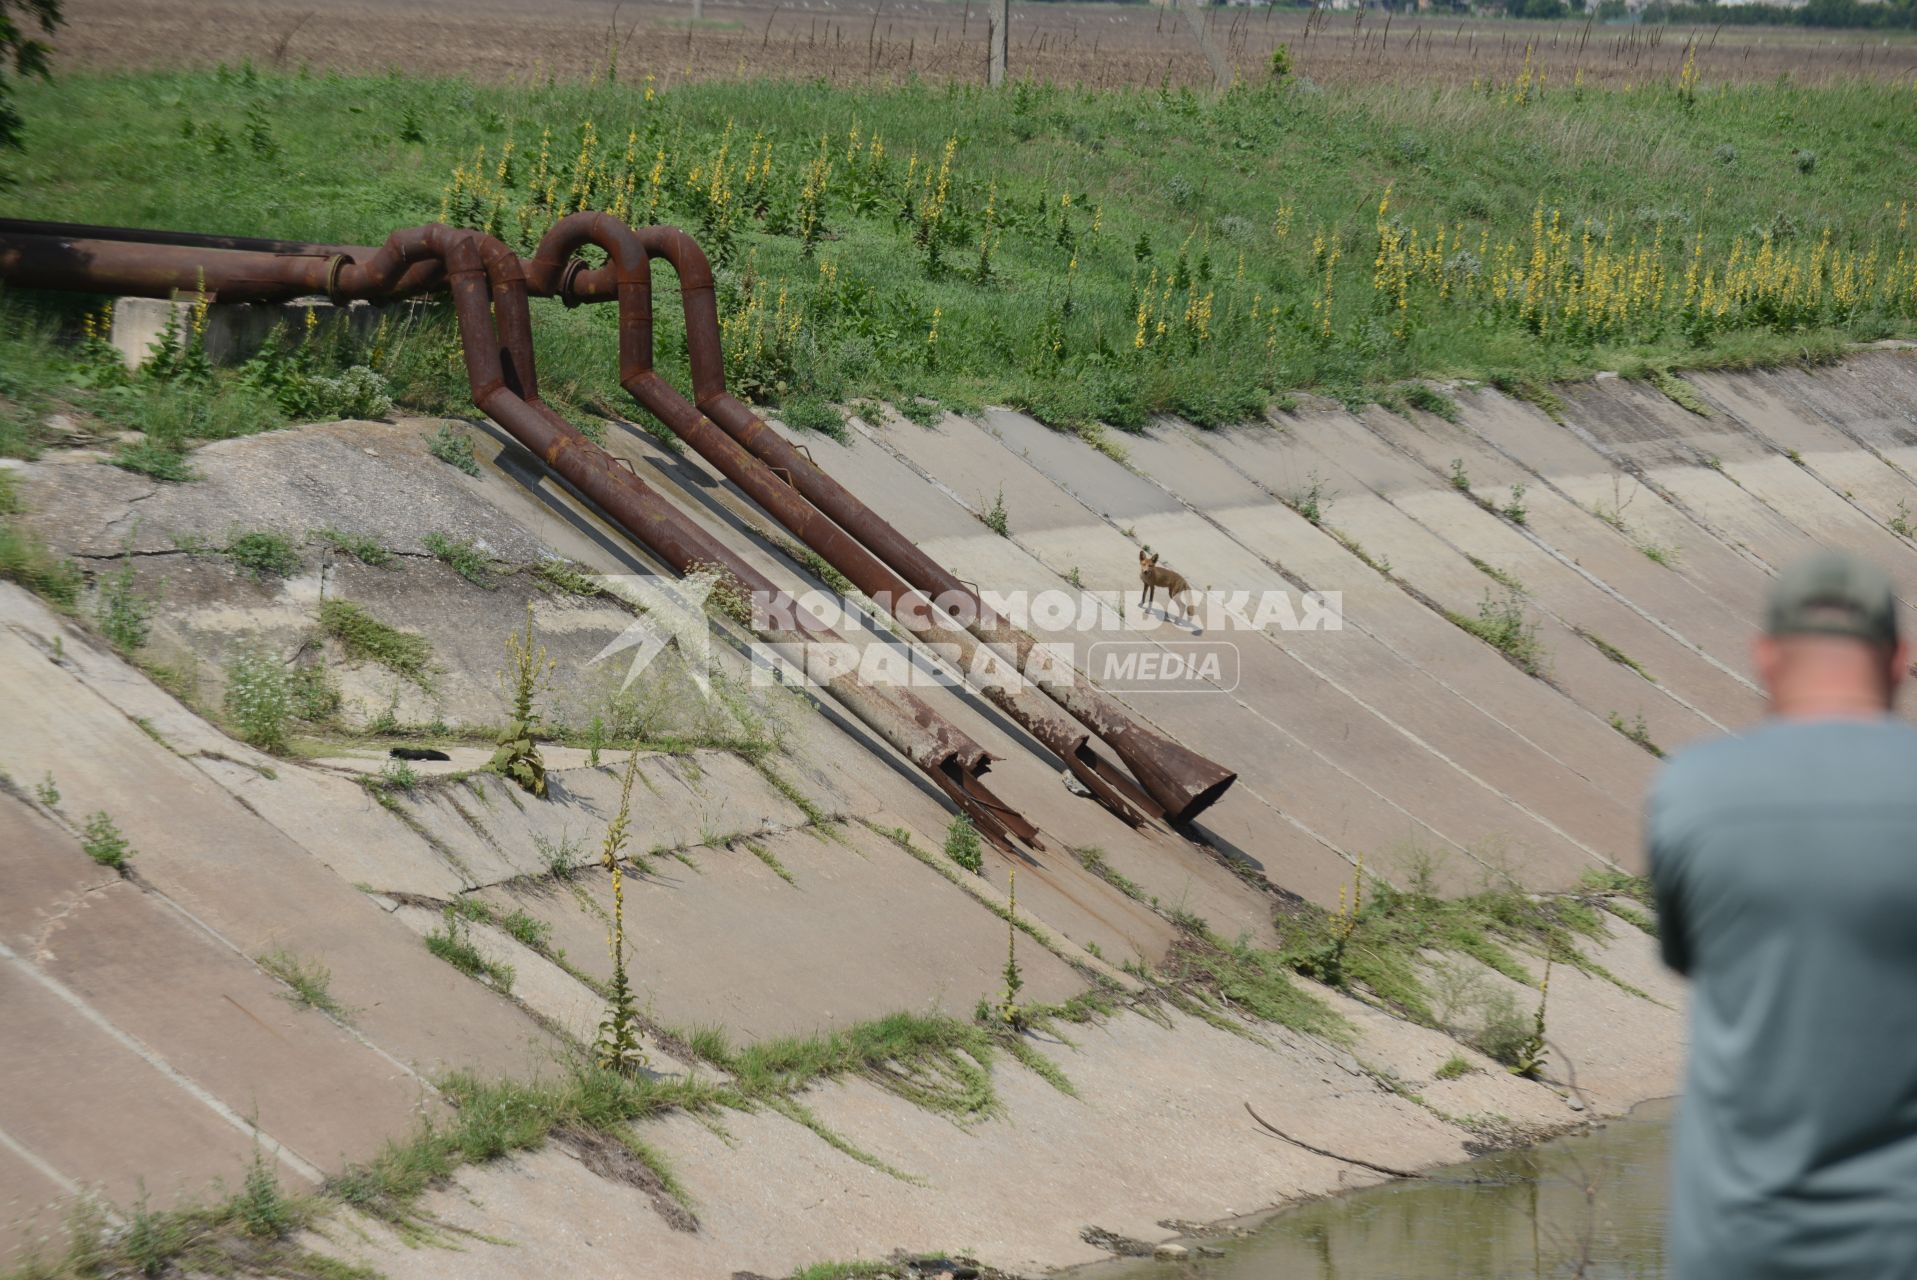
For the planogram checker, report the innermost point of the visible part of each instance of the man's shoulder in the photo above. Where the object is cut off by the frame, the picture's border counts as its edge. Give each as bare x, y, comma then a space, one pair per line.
1774, 751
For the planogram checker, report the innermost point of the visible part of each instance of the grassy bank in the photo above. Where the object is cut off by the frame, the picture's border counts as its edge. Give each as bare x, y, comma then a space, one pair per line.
1091, 256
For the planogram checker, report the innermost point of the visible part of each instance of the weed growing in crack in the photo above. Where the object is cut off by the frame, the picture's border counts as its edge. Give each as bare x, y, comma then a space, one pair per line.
453, 943
996, 518
1637, 732
363, 636
1008, 1009
527, 668
454, 448
362, 547
104, 843
1502, 625
123, 613
963, 846
264, 555
617, 1048
463, 557
308, 982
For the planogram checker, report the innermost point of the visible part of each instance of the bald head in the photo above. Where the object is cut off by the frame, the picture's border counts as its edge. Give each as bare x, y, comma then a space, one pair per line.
1812, 676
1831, 645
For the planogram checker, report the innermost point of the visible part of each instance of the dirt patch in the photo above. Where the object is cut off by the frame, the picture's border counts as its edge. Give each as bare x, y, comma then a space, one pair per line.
612, 1159
889, 41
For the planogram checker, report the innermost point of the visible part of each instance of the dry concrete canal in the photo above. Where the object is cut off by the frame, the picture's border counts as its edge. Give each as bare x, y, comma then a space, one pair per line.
322, 970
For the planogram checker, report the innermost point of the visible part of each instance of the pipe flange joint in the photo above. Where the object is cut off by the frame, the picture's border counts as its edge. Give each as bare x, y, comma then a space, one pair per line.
334, 265
568, 280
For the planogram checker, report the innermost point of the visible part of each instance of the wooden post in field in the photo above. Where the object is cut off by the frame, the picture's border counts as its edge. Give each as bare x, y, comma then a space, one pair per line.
997, 33
698, 10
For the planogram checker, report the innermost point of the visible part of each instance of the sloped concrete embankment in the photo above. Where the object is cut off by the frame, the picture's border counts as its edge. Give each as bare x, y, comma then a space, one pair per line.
785, 877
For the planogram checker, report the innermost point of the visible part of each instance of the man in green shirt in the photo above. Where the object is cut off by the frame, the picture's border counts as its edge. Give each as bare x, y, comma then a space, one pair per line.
1785, 868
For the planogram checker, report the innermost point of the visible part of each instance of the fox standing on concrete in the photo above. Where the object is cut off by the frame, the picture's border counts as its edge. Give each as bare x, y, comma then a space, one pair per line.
1785, 866
1151, 577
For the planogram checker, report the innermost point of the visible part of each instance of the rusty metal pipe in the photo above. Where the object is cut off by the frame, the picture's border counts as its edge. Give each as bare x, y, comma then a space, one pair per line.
1060, 735
499, 366
1182, 782
141, 268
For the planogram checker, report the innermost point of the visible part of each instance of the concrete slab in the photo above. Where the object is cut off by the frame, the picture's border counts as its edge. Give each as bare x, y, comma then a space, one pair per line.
1349, 662
242, 877
55, 1070
1555, 573
213, 1016
1598, 478
728, 942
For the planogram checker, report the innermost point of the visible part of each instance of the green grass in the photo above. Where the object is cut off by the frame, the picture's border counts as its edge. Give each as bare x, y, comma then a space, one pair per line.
363, 636
1454, 1066
104, 843
963, 846
462, 557
26, 559
362, 547
454, 448
1383, 952
452, 942
1503, 625
1235, 204
308, 982
1637, 732
1615, 654
264, 554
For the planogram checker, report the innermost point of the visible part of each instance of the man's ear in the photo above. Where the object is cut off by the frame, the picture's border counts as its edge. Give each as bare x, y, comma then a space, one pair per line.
1766, 657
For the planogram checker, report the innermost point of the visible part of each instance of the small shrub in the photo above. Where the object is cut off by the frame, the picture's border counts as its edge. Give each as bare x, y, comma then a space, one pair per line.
560, 857
1454, 1066
27, 561
568, 578
47, 792
963, 846
1312, 501
156, 459
259, 699
104, 843
1514, 510
261, 1209
122, 613
811, 413
359, 392
1806, 161
1279, 64
1637, 732
996, 518
527, 669
1502, 625
454, 448
462, 557
617, 1047
262, 554
1900, 523
315, 696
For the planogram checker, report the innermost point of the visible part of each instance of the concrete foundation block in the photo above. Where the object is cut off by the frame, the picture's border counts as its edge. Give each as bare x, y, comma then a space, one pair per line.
235, 331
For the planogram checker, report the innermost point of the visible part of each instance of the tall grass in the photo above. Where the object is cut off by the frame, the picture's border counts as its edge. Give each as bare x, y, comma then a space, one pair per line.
1088, 255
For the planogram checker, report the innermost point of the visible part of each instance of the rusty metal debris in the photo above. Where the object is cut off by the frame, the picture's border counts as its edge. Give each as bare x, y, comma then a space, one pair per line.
489, 286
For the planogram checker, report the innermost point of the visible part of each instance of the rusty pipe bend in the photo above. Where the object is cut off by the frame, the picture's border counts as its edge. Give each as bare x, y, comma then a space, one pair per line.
1176, 781
955, 762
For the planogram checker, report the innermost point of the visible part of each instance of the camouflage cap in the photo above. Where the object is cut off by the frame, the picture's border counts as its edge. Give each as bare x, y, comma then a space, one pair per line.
1833, 594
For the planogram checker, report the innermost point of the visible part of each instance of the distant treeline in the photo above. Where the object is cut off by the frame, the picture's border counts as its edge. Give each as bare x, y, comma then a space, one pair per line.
1901, 14
1895, 15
